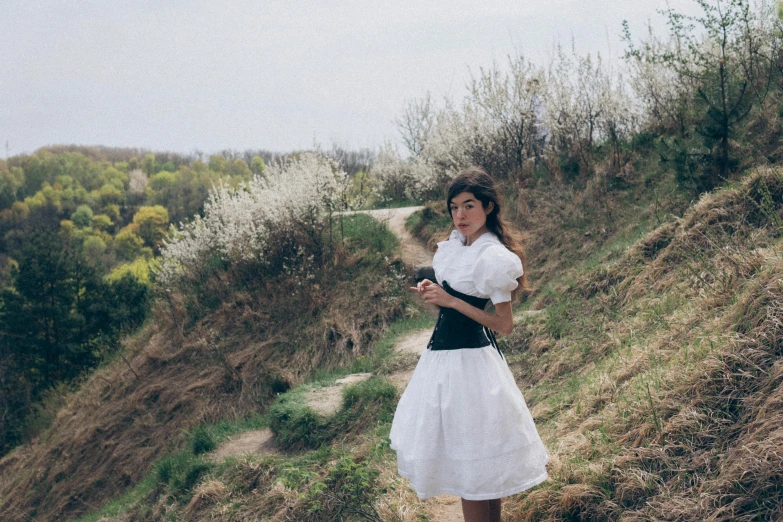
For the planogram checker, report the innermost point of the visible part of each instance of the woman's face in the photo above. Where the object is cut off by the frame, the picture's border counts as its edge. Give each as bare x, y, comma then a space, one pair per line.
469, 216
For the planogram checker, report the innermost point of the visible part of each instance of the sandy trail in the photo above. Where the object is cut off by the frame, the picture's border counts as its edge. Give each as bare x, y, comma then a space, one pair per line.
327, 400
414, 253
256, 442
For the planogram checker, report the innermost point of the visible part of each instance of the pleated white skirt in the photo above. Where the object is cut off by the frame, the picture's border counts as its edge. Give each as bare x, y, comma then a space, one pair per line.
462, 428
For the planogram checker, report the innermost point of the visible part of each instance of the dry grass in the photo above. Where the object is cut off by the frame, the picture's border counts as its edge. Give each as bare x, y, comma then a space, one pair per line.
654, 376
226, 366
665, 402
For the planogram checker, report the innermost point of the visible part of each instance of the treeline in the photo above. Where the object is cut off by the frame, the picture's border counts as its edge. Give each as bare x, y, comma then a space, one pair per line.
704, 99
80, 235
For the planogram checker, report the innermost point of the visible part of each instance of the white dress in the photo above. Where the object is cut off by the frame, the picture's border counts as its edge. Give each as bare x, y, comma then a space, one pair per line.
462, 426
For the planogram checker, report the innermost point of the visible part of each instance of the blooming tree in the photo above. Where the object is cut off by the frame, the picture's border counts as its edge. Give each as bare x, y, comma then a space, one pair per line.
237, 222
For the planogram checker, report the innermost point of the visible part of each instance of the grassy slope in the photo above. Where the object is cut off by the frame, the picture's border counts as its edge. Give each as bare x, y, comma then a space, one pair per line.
227, 367
336, 465
653, 374
654, 370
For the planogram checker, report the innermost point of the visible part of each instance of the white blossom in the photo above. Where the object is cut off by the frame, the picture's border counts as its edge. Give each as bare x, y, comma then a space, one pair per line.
137, 181
237, 221
511, 116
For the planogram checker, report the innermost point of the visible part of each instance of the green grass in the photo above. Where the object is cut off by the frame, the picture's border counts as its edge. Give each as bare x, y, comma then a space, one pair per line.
297, 426
368, 405
206, 437
125, 503
618, 244
376, 394
365, 232
425, 222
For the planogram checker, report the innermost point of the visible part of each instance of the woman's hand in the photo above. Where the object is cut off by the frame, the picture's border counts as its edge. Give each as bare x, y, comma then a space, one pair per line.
502, 321
434, 294
421, 285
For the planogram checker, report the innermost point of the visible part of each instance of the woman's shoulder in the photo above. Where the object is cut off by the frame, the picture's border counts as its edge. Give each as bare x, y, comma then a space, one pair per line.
492, 250
496, 270
488, 240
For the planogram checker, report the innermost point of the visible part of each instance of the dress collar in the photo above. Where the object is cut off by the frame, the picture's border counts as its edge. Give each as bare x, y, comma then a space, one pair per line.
486, 236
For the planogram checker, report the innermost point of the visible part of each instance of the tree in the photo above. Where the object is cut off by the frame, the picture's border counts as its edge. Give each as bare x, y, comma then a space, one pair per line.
102, 222
152, 224
257, 166
506, 103
110, 195
218, 163
416, 123
149, 165
41, 317
723, 73
82, 218
57, 318
128, 245
11, 181
137, 183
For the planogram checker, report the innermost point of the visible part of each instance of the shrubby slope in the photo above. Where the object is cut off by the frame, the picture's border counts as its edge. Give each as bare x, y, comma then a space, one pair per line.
654, 375
229, 334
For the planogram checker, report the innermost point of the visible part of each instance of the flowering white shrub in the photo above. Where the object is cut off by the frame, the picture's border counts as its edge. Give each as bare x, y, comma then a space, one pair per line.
587, 104
401, 178
237, 221
137, 181
507, 111
512, 116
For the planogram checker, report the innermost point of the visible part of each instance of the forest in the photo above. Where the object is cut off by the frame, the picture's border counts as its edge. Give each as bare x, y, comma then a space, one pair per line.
80, 229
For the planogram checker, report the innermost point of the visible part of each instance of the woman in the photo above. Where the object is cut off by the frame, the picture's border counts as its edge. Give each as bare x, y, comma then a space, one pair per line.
462, 426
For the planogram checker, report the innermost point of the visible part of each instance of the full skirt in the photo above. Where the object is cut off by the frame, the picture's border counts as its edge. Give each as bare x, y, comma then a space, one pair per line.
462, 428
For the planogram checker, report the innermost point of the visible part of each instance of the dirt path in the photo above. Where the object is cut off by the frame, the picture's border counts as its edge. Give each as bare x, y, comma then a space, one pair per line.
414, 253
444, 508
410, 347
256, 442
327, 400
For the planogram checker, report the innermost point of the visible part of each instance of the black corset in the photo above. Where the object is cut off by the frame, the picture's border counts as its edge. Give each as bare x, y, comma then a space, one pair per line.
454, 330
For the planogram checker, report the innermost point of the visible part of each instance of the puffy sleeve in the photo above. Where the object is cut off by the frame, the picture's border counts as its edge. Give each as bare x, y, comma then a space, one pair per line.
496, 272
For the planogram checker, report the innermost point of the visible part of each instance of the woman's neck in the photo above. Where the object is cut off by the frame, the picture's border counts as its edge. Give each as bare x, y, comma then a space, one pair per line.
469, 240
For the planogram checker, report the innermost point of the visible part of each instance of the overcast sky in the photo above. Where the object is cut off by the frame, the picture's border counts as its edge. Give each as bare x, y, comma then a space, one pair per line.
279, 75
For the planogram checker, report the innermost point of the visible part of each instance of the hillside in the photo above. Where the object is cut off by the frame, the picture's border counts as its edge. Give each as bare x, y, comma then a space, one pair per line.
226, 366
655, 371
651, 370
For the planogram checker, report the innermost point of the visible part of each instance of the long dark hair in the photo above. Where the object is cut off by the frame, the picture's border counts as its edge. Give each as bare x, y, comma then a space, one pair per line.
476, 181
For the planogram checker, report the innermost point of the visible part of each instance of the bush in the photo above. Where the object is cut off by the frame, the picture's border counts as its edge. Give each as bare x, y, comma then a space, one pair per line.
351, 487
239, 224
373, 400
82, 218
365, 232
201, 441
297, 426
180, 472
